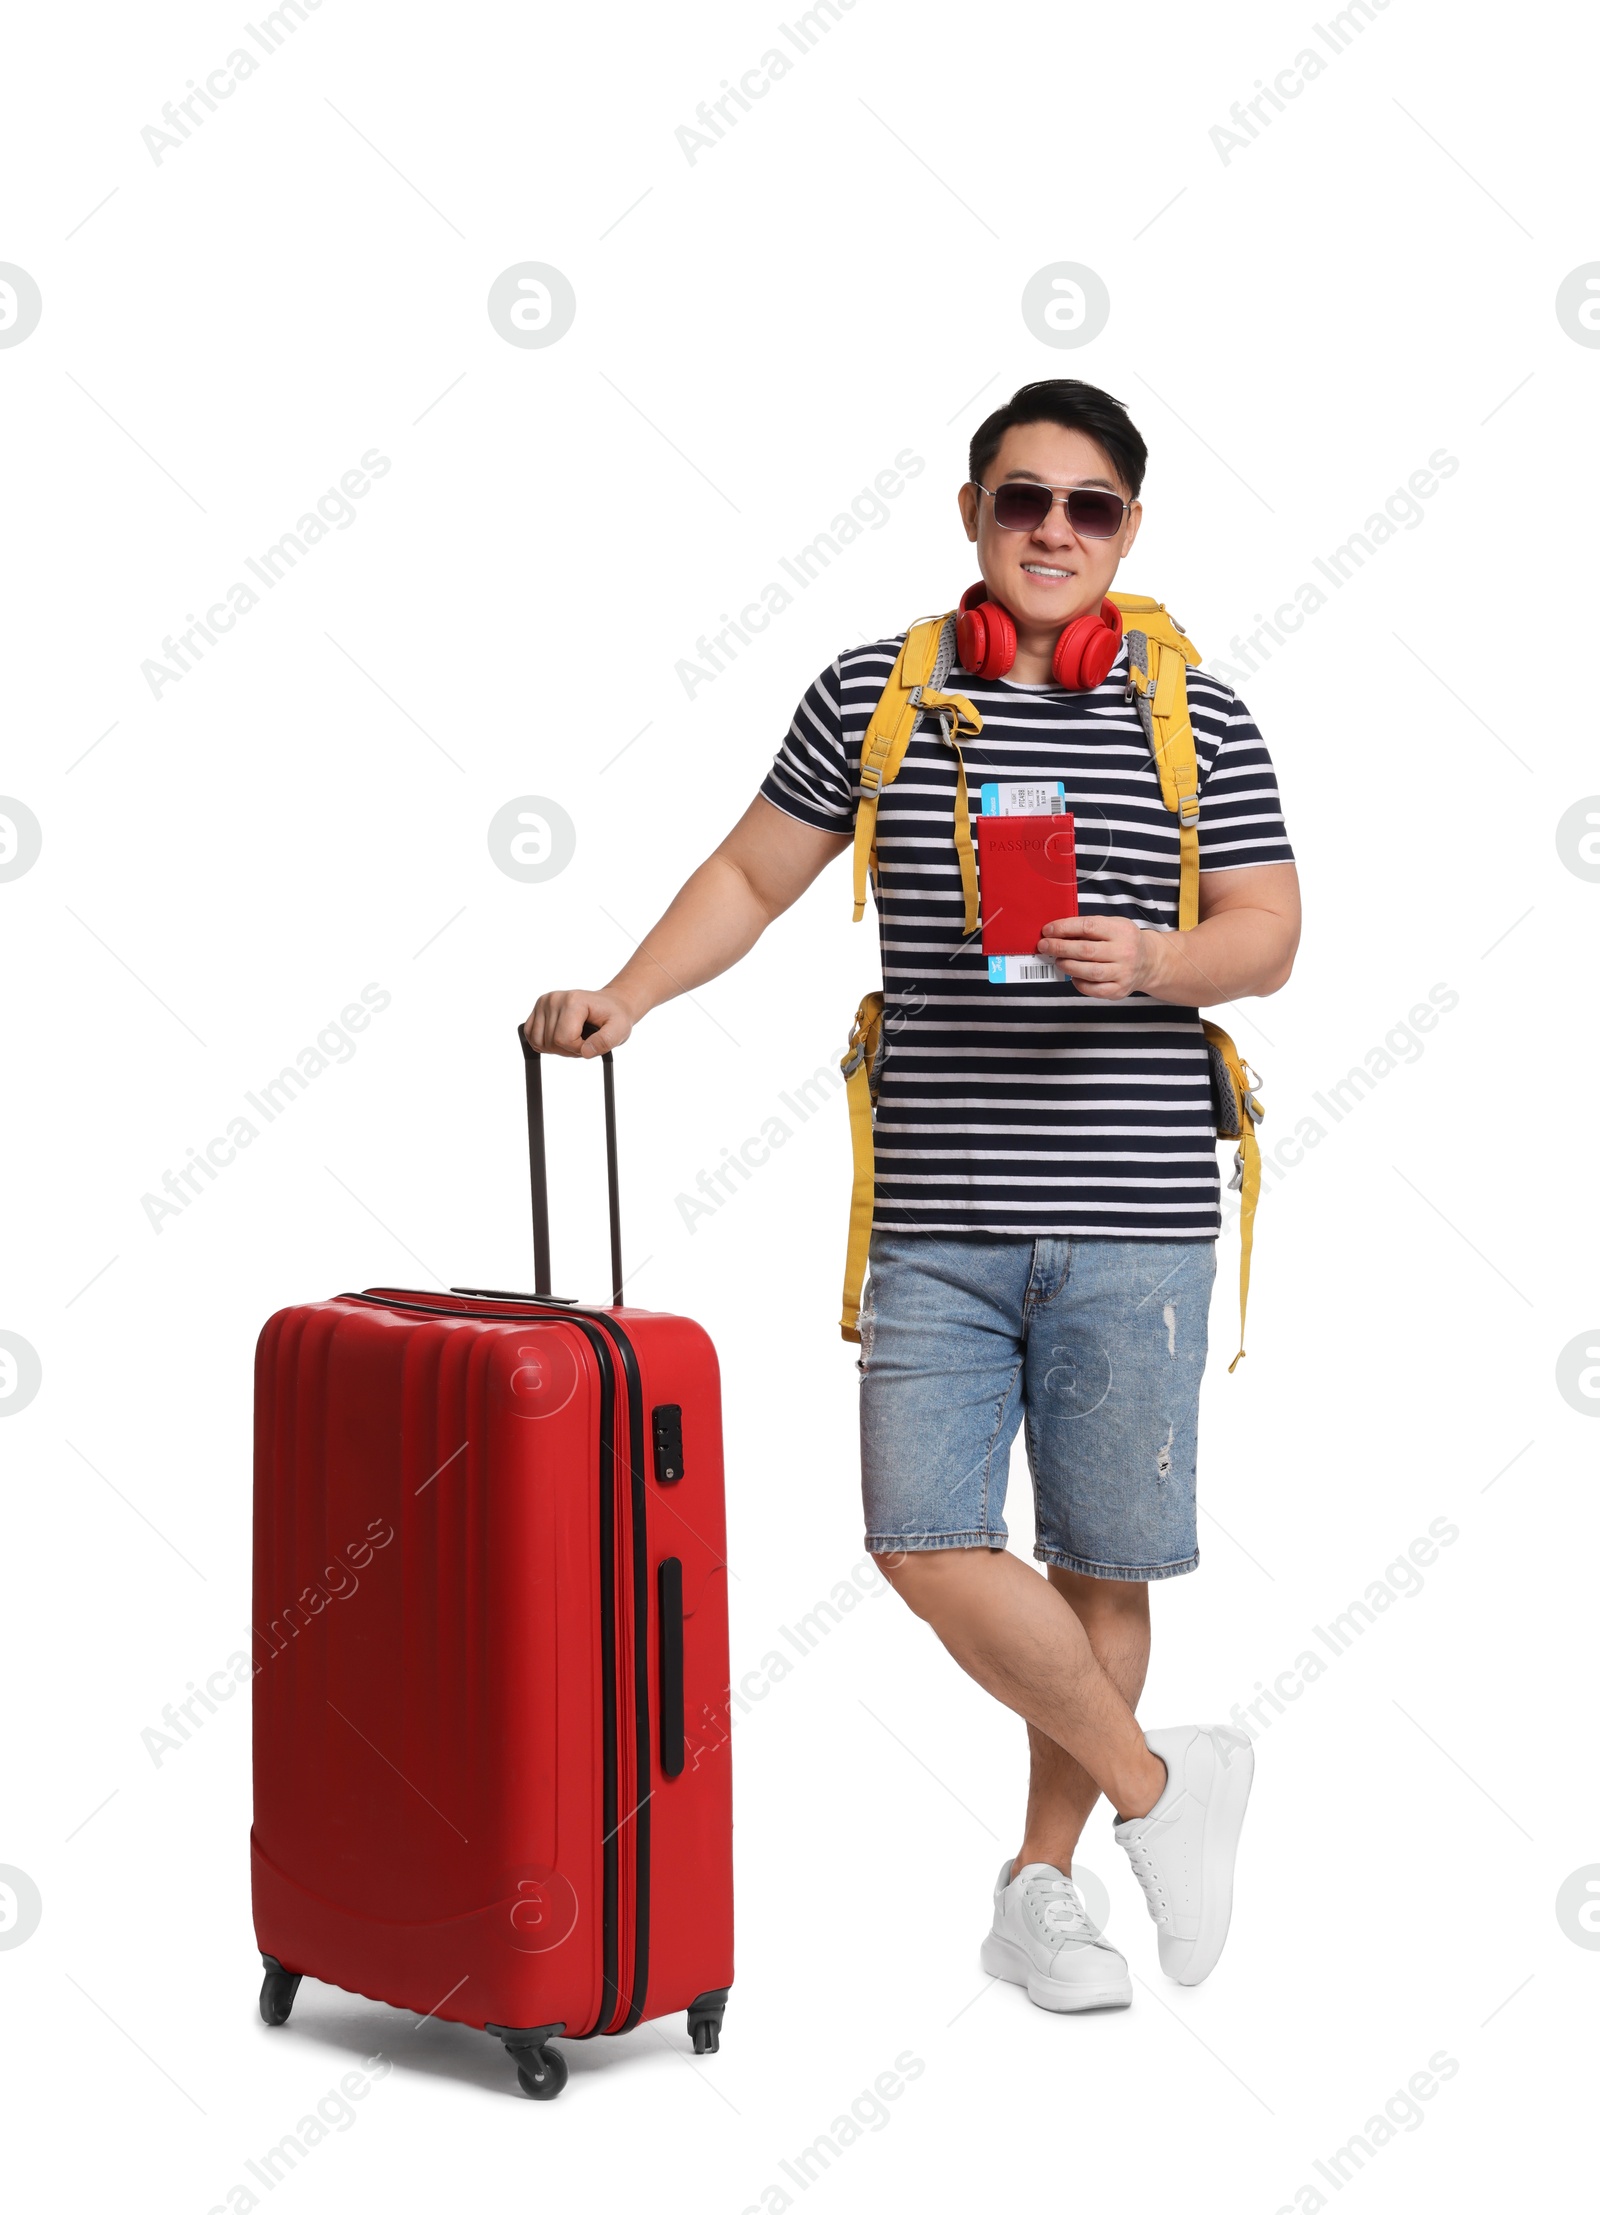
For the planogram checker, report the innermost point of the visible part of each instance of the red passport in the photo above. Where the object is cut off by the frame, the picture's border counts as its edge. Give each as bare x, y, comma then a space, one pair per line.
1028, 876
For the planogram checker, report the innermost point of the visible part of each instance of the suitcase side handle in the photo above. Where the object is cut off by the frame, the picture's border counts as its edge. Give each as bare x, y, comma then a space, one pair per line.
669, 1616
537, 1173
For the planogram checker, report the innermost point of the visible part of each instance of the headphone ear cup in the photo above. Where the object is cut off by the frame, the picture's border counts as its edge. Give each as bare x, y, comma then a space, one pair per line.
986, 640
1087, 648
971, 637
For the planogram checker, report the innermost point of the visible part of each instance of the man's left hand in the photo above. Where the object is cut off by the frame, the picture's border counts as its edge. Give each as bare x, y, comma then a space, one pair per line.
1106, 956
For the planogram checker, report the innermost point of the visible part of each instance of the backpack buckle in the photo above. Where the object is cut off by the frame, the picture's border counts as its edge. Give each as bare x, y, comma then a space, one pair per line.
1188, 809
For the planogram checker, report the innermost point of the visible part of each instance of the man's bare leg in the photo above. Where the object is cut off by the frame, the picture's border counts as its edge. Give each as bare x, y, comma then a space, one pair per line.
1017, 1636
1061, 1793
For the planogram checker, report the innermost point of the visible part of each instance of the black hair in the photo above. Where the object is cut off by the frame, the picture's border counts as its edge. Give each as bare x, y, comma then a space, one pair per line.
1076, 407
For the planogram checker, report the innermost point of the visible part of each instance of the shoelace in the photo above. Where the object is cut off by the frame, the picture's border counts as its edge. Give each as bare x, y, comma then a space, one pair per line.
1062, 1910
1149, 1876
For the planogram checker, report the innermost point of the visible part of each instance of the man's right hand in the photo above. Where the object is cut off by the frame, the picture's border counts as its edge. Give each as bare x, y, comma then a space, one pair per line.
556, 1024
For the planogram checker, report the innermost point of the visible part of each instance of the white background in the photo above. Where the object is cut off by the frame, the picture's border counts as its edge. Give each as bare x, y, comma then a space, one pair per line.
758, 333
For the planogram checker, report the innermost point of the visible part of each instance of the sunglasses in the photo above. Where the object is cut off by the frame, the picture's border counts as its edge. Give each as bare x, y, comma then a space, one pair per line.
1023, 506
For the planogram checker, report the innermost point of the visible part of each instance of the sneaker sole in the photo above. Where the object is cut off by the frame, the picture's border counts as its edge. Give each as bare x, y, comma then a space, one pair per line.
1225, 1812
1000, 1958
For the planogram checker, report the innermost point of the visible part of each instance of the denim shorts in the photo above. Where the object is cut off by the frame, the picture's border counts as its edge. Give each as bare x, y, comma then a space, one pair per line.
1097, 1344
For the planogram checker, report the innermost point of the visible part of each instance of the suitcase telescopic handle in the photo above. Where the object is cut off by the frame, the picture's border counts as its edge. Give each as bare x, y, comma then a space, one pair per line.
539, 1180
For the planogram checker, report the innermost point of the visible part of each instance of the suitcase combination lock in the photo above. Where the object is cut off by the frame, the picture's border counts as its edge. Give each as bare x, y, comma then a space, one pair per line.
666, 1424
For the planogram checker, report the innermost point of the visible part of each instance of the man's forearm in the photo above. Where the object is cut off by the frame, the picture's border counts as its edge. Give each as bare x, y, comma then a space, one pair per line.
714, 921
1232, 956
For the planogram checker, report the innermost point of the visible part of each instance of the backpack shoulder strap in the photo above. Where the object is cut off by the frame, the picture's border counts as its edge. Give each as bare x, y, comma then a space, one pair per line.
912, 689
888, 735
1159, 658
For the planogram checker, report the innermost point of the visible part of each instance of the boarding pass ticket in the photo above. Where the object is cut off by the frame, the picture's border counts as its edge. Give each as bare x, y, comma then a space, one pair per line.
1024, 799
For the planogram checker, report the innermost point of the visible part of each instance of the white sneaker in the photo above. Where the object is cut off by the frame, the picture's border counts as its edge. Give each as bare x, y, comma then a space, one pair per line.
1183, 1850
1043, 1938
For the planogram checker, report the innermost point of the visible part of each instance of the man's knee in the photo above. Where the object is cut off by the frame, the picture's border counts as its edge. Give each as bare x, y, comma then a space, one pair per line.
1123, 1598
922, 1577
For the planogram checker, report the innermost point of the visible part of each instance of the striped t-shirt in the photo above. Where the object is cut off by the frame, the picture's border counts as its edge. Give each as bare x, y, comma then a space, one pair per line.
1028, 1108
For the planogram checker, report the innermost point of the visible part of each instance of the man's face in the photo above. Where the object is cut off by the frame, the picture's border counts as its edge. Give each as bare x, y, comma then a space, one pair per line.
1047, 576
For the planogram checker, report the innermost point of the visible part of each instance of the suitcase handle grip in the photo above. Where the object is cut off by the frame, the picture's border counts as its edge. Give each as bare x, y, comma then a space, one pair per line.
539, 1181
669, 1613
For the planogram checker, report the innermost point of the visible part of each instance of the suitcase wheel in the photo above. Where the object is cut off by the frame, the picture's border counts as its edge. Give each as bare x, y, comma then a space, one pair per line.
278, 1989
542, 2074
705, 2020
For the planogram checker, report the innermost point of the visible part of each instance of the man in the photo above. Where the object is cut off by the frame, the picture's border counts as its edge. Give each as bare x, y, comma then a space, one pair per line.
1047, 1201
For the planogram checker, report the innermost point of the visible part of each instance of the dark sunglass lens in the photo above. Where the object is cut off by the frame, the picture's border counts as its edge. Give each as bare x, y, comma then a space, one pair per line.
1021, 507
1094, 514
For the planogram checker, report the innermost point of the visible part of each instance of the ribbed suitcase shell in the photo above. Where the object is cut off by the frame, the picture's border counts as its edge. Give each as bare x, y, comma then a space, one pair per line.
460, 1800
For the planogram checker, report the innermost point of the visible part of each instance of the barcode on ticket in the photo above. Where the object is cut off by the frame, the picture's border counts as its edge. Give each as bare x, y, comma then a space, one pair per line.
1024, 799
1022, 969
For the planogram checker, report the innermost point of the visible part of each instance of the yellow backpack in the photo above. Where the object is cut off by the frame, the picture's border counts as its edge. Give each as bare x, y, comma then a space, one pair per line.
1158, 657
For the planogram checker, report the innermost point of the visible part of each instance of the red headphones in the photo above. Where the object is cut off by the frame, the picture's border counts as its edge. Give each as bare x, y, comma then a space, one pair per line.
986, 640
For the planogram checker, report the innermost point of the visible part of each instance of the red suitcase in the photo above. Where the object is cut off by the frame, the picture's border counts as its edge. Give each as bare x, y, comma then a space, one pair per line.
490, 1588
